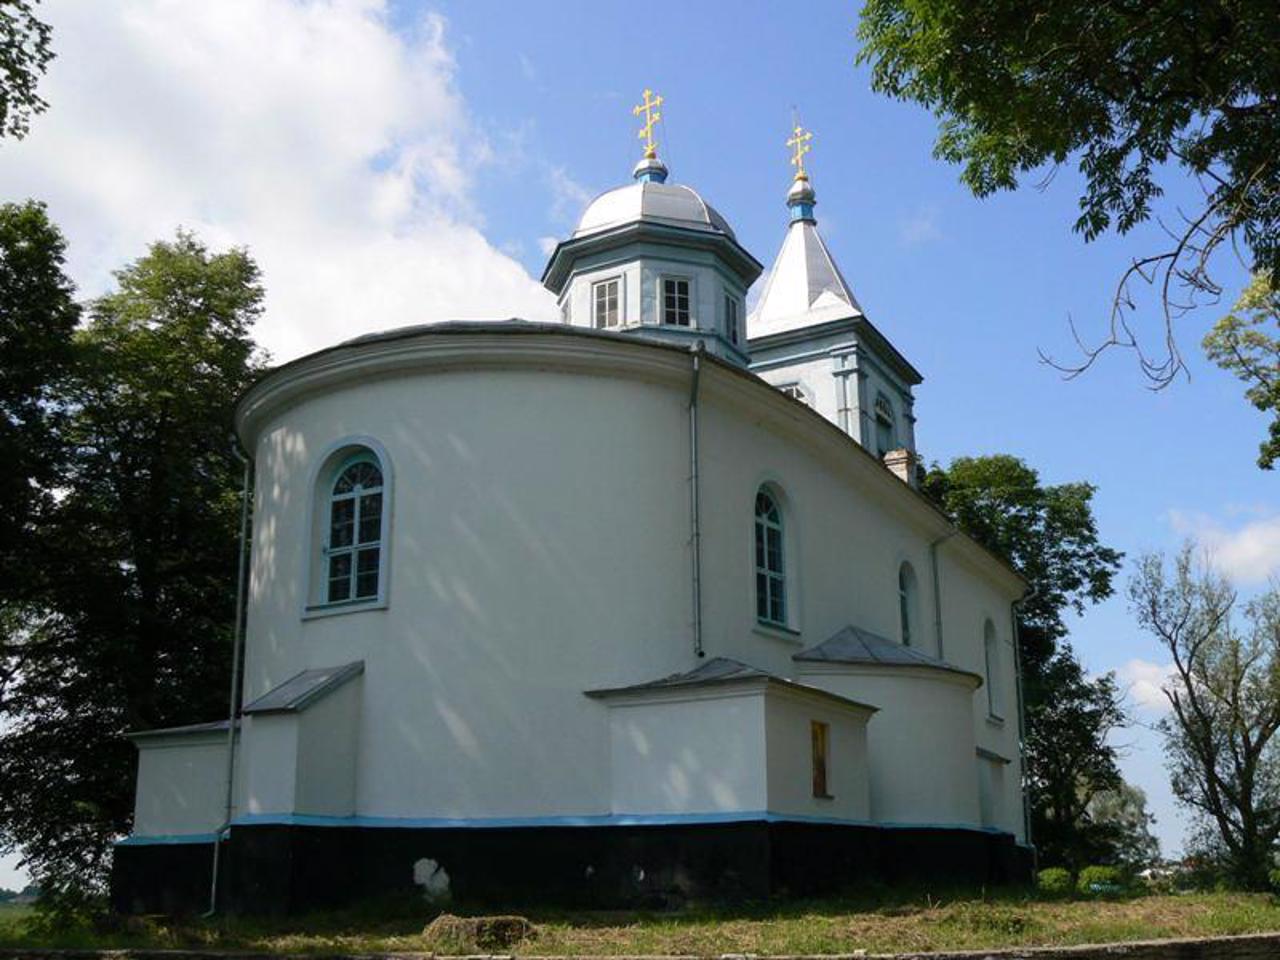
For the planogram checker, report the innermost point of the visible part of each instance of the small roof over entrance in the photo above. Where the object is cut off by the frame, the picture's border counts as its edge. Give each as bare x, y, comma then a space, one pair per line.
854, 645
304, 689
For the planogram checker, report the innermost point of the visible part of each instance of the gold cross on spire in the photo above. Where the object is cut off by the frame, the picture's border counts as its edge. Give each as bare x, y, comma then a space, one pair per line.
800, 144
651, 116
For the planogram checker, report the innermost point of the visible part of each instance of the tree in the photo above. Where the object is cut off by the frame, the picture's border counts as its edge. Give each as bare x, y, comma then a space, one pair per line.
25, 53
1050, 536
1243, 343
38, 315
132, 631
1225, 694
1132, 91
1123, 828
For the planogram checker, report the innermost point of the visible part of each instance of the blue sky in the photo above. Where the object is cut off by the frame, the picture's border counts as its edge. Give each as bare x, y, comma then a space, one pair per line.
389, 164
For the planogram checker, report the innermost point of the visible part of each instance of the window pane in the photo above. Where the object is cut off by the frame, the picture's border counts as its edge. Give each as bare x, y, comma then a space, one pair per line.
339, 577
341, 522
762, 596
367, 573
371, 518
774, 553
777, 601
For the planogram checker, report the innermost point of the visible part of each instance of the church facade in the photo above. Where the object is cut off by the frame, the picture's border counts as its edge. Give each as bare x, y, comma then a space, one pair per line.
637, 606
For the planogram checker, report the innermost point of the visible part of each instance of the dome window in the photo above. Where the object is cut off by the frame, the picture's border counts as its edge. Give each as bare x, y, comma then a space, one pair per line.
675, 301
731, 318
604, 298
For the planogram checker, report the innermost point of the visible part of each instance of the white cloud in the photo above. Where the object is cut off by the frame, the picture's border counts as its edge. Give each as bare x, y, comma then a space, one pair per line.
919, 228
337, 150
568, 197
1248, 553
1145, 681
547, 245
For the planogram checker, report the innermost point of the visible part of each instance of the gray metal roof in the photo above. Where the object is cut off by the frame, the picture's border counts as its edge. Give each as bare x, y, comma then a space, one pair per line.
214, 726
855, 645
722, 670
303, 689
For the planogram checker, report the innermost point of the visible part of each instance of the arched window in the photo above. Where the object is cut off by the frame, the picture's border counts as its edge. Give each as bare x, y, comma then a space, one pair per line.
353, 544
991, 650
907, 592
771, 584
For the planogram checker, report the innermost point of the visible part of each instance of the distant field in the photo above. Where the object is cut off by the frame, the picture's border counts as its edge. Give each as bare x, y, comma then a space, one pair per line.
898, 923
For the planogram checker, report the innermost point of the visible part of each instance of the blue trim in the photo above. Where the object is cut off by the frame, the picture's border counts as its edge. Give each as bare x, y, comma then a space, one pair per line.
586, 820
145, 841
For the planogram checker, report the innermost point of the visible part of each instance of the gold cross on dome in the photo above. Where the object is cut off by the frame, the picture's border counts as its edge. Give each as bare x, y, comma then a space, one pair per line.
800, 142
651, 116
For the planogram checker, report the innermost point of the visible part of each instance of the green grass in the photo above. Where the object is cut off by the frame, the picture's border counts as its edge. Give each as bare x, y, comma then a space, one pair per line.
885, 924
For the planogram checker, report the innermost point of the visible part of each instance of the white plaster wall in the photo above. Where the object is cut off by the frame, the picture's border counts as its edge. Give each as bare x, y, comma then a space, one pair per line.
181, 785
791, 759
920, 744
540, 548
704, 755
328, 737
270, 763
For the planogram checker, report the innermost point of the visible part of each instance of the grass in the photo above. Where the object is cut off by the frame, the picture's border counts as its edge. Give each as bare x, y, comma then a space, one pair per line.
887, 924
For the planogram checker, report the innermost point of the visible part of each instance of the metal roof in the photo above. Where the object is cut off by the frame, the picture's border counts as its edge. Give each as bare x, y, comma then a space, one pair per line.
303, 689
723, 670
855, 645
214, 726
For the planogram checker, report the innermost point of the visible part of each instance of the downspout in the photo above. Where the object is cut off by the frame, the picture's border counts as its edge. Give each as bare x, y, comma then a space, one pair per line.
695, 519
237, 644
1022, 710
937, 588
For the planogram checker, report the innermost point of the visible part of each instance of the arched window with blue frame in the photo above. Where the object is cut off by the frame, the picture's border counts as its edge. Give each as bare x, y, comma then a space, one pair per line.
771, 582
353, 545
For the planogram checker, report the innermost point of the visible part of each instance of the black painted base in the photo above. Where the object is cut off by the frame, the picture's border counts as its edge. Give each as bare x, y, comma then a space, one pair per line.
289, 869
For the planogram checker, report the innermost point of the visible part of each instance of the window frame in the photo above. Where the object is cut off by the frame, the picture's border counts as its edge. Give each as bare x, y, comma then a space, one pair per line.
596, 286
325, 472
796, 390
908, 602
732, 317
992, 663
663, 280
357, 548
772, 579
820, 759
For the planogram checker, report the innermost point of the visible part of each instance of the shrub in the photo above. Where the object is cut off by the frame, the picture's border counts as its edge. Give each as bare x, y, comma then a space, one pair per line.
1054, 880
1101, 881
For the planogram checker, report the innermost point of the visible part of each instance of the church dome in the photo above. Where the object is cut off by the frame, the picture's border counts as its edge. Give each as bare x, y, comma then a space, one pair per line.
653, 202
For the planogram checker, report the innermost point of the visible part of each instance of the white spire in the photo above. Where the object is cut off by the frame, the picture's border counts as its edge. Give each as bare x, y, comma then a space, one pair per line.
804, 288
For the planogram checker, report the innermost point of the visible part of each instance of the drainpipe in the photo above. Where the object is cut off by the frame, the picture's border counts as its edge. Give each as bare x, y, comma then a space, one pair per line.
237, 643
1022, 710
937, 588
695, 519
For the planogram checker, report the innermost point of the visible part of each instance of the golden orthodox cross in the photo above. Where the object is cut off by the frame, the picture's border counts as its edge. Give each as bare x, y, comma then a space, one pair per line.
651, 116
800, 143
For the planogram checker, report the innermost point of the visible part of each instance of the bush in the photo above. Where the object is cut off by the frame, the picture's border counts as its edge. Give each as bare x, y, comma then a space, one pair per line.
1054, 880
1101, 881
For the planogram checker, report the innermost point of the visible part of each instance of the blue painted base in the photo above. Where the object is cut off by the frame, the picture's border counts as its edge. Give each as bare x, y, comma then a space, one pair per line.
293, 867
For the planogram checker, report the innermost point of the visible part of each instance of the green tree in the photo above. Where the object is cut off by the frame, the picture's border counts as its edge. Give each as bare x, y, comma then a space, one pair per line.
1221, 740
1134, 92
1244, 342
132, 630
38, 315
1122, 826
1050, 536
25, 53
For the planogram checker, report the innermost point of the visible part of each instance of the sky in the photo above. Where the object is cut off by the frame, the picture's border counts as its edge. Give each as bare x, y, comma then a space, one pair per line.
401, 162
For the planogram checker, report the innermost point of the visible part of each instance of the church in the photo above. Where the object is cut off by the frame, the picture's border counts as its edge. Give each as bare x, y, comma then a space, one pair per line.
639, 606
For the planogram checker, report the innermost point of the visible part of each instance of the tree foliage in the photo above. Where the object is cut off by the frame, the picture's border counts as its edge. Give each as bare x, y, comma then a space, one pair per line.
1050, 536
1123, 824
25, 52
1225, 694
131, 629
1245, 343
1131, 91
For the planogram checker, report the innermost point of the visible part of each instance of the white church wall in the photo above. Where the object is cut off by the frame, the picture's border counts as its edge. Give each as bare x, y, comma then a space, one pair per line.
328, 738
540, 548
920, 744
790, 775
181, 785
270, 766
699, 754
